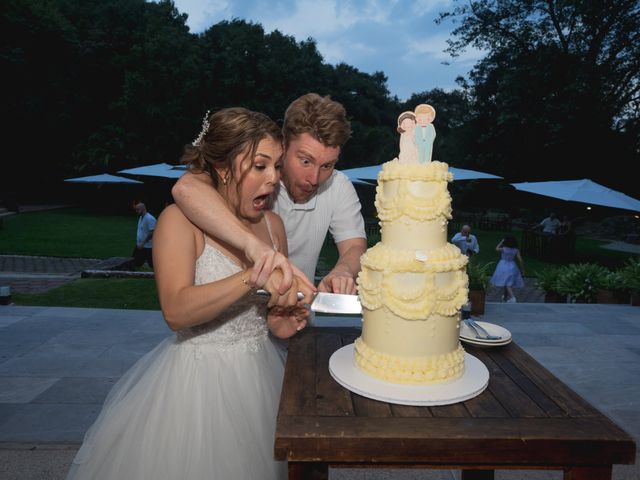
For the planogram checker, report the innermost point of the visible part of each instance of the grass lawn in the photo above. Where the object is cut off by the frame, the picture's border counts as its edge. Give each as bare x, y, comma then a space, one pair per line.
130, 293
76, 232
68, 232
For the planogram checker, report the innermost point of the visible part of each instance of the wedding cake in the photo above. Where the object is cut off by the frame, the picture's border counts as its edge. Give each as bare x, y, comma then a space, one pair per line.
413, 283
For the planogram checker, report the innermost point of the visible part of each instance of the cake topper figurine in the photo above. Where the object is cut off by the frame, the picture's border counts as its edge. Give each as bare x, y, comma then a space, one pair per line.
425, 134
408, 146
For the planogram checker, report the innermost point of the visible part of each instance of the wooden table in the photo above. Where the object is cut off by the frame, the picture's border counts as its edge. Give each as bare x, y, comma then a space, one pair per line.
526, 419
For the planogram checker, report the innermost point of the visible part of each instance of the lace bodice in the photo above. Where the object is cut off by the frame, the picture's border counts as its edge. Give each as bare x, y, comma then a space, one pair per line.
244, 322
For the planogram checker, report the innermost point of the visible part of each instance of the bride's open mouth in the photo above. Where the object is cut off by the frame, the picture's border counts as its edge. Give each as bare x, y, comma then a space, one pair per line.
260, 202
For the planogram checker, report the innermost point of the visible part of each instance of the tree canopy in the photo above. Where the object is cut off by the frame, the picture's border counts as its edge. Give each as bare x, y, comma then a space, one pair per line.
95, 86
557, 95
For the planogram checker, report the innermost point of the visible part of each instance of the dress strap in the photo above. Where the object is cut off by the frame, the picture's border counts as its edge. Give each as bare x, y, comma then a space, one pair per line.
273, 243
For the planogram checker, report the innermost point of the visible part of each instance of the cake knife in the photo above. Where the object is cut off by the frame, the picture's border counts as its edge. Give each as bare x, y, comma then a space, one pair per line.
323, 302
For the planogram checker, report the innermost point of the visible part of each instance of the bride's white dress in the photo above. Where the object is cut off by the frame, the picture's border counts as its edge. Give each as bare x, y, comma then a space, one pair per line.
201, 405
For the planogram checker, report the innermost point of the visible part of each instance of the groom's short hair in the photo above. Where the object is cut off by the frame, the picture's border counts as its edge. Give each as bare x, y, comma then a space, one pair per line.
322, 118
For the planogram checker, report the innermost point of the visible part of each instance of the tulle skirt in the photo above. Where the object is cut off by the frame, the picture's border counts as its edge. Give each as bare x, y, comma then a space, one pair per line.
187, 411
507, 274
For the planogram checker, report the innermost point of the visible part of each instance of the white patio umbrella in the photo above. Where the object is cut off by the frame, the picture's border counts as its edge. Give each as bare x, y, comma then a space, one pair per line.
371, 173
583, 191
156, 170
104, 178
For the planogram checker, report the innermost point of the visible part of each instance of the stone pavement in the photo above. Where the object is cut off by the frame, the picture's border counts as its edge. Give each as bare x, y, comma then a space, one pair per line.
57, 365
32, 274
530, 293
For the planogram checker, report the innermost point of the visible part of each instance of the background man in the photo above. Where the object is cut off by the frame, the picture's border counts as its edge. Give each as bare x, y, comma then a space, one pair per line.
465, 241
144, 244
550, 224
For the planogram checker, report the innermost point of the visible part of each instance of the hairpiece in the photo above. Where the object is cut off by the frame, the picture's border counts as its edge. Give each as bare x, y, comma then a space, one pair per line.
205, 128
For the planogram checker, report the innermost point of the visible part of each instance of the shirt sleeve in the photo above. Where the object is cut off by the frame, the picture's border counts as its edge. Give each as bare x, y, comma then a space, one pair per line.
346, 219
151, 223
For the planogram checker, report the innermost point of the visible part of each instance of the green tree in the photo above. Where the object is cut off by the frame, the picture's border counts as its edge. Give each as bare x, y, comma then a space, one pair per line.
242, 65
558, 89
157, 101
372, 112
102, 85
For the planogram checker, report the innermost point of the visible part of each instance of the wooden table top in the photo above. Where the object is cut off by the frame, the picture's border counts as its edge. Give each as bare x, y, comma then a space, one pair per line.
526, 417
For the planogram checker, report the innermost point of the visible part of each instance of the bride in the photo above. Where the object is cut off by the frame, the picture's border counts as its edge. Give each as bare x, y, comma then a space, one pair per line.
203, 403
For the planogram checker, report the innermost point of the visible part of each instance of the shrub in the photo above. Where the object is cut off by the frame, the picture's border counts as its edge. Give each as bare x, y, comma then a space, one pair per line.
478, 275
611, 281
547, 279
630, 274
580, 281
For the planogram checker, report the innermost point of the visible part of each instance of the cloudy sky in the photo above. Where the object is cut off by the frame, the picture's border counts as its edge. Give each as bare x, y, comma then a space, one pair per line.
397, 37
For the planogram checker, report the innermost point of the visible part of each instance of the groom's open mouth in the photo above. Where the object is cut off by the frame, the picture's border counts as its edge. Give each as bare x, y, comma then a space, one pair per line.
308, 191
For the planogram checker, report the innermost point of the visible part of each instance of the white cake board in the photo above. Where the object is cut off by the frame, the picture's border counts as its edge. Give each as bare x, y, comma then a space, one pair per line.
344, 370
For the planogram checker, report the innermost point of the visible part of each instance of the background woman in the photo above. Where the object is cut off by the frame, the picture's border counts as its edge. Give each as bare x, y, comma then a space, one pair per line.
508, 273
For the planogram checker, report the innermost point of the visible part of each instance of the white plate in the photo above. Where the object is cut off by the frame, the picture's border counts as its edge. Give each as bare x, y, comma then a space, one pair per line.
468, 335
484, 344
344, 370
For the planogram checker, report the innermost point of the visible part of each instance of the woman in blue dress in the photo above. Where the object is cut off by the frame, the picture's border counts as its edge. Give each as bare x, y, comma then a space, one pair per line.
508, 273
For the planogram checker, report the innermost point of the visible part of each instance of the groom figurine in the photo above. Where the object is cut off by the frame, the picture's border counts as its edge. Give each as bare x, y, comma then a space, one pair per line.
424, 132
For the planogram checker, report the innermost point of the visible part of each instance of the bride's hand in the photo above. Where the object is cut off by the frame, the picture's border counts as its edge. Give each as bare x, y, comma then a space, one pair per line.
265, 260
289, 297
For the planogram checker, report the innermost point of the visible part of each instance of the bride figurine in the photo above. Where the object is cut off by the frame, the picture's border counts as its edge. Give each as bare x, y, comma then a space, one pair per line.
408, 147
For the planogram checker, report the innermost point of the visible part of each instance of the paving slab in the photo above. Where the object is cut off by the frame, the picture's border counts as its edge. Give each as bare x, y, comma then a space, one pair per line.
50, 423
23, 389
58, 364
77, 391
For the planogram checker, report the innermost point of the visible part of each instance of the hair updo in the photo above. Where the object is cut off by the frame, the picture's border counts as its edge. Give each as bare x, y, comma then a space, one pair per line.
226, 134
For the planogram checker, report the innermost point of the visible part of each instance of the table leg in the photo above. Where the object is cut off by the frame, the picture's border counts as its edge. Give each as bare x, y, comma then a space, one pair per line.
587, 473
308, 471
477, 474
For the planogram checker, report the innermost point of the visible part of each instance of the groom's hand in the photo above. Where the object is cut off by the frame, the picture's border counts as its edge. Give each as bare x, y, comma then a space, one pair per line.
338, 282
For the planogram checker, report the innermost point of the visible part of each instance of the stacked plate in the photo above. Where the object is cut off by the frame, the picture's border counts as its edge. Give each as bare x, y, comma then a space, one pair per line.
467, 334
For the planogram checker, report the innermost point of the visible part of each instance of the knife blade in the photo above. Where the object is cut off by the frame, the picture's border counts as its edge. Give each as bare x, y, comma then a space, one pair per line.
324, 302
